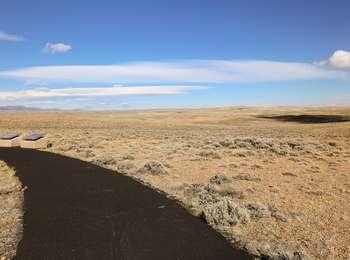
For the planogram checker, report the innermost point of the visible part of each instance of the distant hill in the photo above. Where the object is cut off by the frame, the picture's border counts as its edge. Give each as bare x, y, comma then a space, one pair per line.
18, 108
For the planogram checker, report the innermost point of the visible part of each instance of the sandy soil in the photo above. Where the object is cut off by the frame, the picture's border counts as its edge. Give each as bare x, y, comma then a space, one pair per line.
274, 182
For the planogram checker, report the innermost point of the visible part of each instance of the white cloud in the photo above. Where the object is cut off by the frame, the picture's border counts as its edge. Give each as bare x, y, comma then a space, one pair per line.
57, 48
198, 71
46, 93
340, 59
10, 37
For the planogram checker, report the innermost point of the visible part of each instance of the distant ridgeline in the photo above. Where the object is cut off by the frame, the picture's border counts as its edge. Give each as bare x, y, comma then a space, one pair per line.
18, 108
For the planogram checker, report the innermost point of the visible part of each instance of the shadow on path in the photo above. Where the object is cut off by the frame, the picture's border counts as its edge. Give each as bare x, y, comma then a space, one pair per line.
76, 210
309, 119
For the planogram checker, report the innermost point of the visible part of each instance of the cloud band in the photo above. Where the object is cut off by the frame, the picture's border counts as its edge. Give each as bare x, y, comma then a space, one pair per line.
45, 93
189, 71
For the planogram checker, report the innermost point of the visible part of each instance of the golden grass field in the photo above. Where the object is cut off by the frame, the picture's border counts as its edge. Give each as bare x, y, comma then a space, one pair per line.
272, 181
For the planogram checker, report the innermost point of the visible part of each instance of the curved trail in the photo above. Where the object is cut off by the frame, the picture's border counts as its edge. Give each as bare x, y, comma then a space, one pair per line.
76, 210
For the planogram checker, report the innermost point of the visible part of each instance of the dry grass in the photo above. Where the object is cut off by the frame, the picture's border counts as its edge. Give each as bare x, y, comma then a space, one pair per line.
11, 214
271, 186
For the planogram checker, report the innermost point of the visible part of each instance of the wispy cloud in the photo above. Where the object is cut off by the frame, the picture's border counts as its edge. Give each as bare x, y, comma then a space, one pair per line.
10, 37
198, 71
54, 48
46, 93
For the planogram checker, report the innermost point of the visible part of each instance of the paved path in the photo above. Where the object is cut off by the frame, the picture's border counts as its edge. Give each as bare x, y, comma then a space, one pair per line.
76, 210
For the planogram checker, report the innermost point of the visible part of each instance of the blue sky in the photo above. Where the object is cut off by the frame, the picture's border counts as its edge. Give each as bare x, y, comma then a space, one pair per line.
142, 54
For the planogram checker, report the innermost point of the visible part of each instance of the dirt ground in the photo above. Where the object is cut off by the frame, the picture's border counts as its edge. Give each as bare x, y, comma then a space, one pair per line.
275, 181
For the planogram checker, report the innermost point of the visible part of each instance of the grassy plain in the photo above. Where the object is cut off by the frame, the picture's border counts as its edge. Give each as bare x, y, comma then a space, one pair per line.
275, 181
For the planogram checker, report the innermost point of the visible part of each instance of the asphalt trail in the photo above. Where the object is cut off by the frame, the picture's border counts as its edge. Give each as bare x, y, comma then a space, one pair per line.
76, 210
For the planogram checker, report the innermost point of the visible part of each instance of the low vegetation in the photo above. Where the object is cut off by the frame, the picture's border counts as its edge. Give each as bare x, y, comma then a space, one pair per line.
276, 188
11, 213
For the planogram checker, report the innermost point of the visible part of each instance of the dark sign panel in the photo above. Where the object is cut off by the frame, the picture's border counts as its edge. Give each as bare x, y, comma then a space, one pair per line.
33, 137
8, 136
